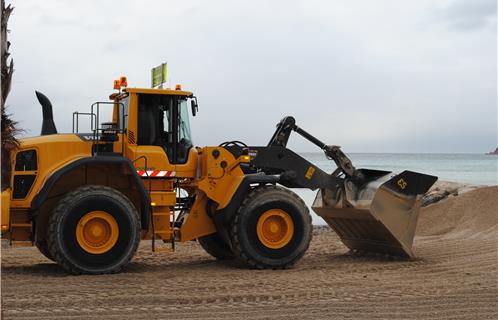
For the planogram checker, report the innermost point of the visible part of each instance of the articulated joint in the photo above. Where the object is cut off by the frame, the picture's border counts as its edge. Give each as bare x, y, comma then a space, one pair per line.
342, 161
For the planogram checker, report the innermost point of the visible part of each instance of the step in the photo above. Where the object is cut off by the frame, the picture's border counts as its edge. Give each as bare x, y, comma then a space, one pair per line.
163, 231
21, 243
161, 214
163, 198
21, 225
156, 249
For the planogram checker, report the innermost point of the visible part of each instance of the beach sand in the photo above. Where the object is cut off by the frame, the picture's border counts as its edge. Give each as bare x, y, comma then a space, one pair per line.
453, 277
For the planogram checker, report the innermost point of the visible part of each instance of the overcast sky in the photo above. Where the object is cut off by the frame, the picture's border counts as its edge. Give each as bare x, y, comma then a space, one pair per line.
372, 76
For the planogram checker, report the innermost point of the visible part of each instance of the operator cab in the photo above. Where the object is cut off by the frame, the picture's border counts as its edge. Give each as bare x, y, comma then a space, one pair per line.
156, 117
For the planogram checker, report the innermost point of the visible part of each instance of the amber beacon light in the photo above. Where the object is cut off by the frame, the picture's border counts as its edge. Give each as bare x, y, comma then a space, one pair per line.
124, 81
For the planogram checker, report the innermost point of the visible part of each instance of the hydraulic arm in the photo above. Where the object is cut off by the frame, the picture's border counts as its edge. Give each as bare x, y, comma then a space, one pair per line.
288, 124
371, 210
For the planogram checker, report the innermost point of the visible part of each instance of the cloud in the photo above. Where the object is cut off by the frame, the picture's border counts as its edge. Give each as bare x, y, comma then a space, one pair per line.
465, 15
364, 75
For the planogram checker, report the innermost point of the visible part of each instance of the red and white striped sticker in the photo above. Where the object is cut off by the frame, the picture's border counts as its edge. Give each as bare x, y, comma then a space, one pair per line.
156, 173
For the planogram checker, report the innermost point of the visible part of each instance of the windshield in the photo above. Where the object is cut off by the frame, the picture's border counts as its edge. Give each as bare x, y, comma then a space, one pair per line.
184, 134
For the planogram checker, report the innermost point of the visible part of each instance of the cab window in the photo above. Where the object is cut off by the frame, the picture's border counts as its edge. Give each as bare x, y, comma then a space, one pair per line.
163, 121
123, 112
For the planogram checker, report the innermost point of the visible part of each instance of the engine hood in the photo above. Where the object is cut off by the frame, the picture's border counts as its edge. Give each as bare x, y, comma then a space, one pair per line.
50, 139
55, 149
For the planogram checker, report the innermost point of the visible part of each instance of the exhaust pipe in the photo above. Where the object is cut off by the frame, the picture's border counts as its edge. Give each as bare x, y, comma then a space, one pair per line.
48, 125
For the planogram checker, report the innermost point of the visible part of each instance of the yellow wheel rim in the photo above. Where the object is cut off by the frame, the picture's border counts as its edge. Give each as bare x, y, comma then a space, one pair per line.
275, 229
97, 232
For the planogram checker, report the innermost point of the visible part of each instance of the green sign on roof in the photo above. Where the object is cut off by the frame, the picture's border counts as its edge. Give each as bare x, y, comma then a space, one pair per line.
159, 75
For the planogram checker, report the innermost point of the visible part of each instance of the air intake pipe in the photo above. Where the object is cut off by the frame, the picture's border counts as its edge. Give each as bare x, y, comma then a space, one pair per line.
48, 125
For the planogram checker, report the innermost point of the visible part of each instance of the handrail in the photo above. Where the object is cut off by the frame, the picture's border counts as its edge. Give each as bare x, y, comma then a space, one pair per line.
76, 115
146, 166
95, 128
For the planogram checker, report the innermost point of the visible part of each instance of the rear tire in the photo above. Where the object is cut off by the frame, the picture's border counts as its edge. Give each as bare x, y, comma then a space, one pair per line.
272, 229
93, 230
216, 247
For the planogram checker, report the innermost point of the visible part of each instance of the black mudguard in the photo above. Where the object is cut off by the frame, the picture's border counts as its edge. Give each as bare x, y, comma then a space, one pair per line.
44, 192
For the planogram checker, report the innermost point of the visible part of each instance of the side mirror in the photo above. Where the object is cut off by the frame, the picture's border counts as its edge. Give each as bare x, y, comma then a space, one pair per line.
193, 105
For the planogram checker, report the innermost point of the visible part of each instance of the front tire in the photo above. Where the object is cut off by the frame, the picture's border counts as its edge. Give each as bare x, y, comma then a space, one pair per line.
93, 230
43, 248
272, 229
216, 247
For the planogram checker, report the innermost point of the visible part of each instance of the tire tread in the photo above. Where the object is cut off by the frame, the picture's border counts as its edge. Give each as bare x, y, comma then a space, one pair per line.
216, 247
234, 232
58, 214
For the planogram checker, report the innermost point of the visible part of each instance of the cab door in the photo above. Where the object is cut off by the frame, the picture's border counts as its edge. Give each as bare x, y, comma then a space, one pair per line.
150, 125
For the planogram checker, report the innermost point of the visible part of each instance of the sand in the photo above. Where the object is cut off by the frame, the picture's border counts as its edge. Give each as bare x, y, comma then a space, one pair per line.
446, 189
453, 277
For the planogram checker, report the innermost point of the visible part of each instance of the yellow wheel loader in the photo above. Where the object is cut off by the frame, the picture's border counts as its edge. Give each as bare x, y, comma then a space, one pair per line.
87, 199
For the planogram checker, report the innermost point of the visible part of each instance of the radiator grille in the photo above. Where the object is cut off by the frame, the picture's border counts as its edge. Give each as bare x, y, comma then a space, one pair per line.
26, 161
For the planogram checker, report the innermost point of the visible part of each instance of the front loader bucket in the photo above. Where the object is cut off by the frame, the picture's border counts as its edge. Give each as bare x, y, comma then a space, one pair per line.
380, 216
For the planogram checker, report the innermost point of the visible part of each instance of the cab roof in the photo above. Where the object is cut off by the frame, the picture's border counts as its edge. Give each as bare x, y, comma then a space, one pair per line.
154, 91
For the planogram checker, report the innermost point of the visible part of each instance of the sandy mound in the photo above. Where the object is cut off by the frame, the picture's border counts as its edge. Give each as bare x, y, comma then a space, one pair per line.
470, 215
446, 189
453, 277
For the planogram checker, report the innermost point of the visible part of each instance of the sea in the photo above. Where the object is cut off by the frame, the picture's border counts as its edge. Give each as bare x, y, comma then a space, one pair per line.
475, 169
